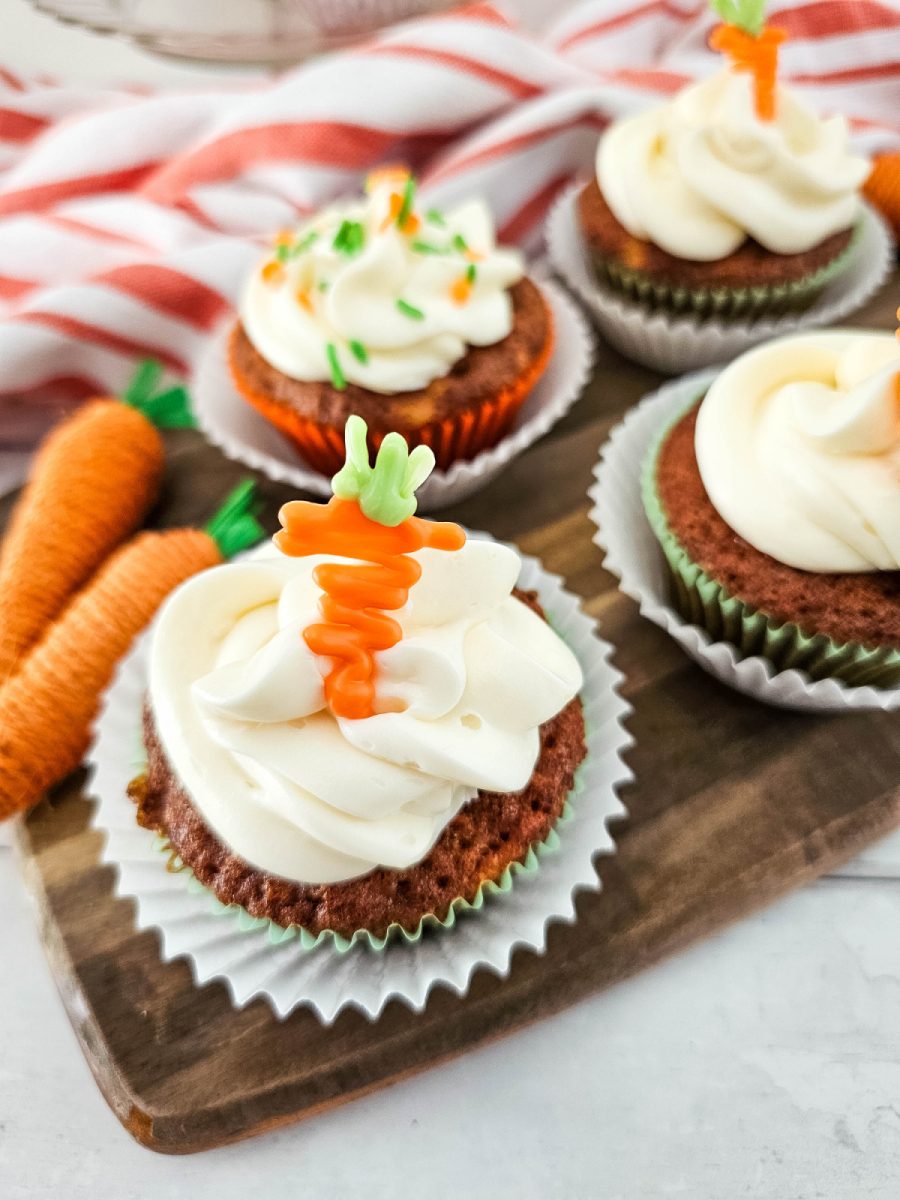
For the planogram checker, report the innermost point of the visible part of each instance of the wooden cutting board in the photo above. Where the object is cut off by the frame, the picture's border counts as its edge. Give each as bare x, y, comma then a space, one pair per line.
734, 804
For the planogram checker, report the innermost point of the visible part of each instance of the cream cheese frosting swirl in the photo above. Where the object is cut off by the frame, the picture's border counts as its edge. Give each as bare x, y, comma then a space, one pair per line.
384, 303
699, 175
238, 702
798, 446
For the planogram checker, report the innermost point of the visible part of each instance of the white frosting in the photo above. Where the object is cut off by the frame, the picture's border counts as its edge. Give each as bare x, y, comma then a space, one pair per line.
238, 702
353, 297
798, 445
698, 175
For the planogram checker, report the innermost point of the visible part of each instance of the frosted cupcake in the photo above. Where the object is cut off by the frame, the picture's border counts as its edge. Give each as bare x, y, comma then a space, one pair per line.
777, 503
732, 199
365, 724
412, 318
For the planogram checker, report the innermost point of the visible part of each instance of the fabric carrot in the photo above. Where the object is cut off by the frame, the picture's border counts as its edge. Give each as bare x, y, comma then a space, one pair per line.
47, 709
369, 518
92, 482
882, 188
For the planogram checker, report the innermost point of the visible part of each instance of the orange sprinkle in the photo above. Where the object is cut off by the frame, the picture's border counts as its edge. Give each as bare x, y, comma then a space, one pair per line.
284, 237
304, 301
273, 272
410, 225
391, 173
396, 203
354, 621
474, 256
461, 290
758, 56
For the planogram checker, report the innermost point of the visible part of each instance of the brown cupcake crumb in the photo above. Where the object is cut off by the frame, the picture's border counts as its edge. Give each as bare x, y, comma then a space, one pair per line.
751, 265
492, 831
862, 607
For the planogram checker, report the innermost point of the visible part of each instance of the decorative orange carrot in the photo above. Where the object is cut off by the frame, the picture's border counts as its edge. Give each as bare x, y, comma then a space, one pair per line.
369, 518
93, 480
47, 709
882, 188
752, 46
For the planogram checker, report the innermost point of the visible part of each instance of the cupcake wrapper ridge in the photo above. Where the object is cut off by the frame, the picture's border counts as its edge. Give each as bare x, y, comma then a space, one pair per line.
460, 436
704, 602
488, 888
727, 303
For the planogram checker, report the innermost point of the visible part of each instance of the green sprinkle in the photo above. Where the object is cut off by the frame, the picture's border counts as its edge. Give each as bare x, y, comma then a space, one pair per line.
338, 378
323, 285
460, 243
471, 273
436, 217
749, 15
359, 351
304, 244
282, 252
410, 310
409, 196
350, 238
427, 248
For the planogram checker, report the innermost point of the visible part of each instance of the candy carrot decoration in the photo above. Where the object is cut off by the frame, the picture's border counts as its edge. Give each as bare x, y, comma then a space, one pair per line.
48, 708
752, 46
369, 518
93, 480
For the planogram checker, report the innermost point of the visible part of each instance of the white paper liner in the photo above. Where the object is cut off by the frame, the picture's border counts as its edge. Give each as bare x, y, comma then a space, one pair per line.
323, 979
242, 433
673, 345
634, 555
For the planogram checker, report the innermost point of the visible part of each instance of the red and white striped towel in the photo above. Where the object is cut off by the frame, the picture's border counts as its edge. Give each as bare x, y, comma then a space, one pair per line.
128, 220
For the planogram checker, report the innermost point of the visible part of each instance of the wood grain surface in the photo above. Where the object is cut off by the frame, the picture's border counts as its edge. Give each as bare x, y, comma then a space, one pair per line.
734, 803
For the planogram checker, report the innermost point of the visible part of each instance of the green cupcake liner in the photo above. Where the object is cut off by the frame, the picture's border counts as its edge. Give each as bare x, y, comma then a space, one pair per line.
278, 934
728, 303
703, 601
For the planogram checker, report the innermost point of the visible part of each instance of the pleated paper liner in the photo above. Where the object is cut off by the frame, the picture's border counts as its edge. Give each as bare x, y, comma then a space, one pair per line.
241, 432
461, 436
635, 556
745, 304
703, 601
677, 341
290, 970
487, 892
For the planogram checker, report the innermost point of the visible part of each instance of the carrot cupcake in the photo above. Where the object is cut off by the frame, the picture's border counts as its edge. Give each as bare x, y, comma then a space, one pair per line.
326, 765
777, 503
413, 319
732, 199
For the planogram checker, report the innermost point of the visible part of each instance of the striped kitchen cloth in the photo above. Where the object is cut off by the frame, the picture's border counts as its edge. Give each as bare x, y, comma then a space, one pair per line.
128, 218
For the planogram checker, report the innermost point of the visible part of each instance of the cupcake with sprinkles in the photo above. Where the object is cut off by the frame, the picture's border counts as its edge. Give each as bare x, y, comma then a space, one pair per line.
731, 200
367, 724
410, 317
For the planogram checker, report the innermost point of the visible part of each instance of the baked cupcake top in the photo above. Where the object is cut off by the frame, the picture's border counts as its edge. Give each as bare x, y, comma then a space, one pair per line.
317, 735
798, 446
733, 157
378, 293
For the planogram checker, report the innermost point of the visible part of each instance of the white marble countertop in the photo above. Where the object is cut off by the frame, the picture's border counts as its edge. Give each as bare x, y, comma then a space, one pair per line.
764, 1062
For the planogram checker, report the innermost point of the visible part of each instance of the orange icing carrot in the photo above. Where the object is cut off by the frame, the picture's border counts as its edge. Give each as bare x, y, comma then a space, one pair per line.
370, 519
757, 54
